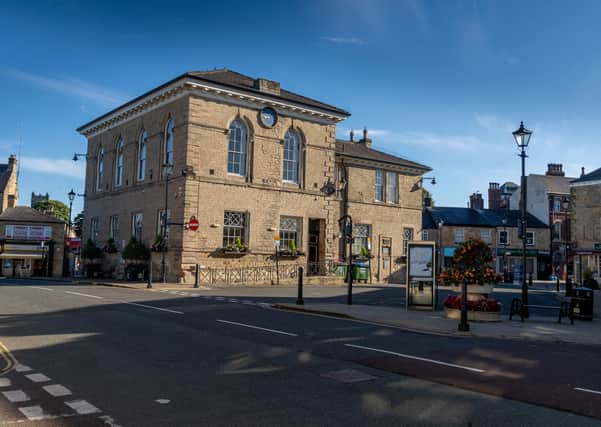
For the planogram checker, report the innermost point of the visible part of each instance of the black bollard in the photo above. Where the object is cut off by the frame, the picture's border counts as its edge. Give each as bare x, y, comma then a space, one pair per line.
196, 276
149, 284
464, 326
299, 299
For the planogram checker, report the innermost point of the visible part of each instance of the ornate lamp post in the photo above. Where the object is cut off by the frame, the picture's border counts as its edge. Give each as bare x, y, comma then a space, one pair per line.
522, 138
439, 224
71, 194
565, 205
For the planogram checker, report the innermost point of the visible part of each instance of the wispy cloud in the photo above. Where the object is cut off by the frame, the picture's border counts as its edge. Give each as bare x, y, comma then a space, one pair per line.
70, 86
494, 123
50, 166
345, 40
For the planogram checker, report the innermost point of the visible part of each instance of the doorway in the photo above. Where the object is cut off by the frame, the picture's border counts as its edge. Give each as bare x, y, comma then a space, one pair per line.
313, 257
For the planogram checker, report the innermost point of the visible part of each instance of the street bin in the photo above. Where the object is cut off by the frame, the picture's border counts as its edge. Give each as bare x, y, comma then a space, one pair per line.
361, 272
582, 303
341, 270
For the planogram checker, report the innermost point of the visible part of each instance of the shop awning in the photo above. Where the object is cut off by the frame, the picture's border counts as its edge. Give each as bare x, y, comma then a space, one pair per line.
20, 255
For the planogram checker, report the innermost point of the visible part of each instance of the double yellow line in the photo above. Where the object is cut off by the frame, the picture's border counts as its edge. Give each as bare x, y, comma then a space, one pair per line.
8, 357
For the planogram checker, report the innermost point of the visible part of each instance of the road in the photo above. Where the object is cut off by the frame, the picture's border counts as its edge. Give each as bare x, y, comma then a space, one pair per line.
87, 355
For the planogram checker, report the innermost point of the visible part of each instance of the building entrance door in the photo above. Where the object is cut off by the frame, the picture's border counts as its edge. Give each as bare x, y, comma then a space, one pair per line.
313, 255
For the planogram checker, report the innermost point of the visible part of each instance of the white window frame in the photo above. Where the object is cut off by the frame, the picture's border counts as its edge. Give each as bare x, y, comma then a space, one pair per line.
532, 239
119, 162
142, 151
459, 232
169, 143
99, 168
114, 227
507, 241
392, 187
291, 163
230, 232
137, 218
361, 238
425, 235
288, 234
379, 185
237, 153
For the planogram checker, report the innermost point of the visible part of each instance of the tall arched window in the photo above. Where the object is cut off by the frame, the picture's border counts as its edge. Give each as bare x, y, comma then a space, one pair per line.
169, 143
292, 146
142, 156
99, 168
119, 163
236, 155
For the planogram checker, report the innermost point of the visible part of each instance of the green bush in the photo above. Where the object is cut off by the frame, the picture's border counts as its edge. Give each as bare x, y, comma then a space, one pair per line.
91, 251
135, 251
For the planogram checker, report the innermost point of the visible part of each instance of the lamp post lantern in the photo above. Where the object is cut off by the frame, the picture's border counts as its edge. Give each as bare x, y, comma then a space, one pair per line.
522, 138
71, 194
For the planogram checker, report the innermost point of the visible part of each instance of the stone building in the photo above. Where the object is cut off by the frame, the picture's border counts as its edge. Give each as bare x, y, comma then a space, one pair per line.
255, 164
9, 195
585, 219
31, 243
36, 198
449, 226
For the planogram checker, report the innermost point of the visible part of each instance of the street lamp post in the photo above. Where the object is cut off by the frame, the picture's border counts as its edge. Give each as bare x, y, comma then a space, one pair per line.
71, 194
167, 171
440, 249
504, 221
522, 138
565, 204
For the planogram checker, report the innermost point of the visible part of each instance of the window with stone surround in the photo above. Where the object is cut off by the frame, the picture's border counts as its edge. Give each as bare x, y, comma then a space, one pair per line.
292, 151
169, 142
142, 156
94, 230
99, 168
137, 220
361, 238
235, 226
114, 228
503, 237
379, 186
119, 163
291, 229
238, 148
392, 192
407, 237
459, 235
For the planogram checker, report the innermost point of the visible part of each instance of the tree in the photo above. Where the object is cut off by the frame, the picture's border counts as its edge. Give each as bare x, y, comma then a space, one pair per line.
78, 224
426, 193
59, 208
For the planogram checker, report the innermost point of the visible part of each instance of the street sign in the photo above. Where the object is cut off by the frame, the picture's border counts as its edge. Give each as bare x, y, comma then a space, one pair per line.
193, 224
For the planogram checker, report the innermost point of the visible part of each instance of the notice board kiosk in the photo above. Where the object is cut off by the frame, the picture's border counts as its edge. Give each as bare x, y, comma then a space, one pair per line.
421, 280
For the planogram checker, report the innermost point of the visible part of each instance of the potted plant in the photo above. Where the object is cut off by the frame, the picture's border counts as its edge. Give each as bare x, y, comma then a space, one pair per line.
159, 244
110, 246
292, 250
137, 255
92, 255
237, 248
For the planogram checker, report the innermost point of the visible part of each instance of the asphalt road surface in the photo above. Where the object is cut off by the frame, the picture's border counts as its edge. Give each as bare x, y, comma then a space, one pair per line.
86, 355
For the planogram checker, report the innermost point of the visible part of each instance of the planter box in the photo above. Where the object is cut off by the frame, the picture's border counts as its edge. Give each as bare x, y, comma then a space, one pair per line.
474, 316
475, 291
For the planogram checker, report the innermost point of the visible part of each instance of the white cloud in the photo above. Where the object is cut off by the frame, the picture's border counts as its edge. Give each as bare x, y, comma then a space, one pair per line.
346, 40
49, 166
494, 123
70, 86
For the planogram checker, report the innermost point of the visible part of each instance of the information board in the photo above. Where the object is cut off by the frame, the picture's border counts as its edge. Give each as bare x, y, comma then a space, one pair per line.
421, 280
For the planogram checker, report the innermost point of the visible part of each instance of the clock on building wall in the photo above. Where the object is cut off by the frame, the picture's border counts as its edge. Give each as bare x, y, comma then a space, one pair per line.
268, 117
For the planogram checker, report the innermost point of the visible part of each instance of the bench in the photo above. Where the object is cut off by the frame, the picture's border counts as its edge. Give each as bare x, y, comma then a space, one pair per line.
565, 309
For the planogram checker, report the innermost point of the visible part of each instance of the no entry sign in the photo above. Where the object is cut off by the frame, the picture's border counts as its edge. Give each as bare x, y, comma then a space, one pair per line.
193, 223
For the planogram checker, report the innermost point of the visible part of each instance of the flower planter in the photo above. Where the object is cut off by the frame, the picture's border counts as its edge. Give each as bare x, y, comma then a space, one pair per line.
474, 316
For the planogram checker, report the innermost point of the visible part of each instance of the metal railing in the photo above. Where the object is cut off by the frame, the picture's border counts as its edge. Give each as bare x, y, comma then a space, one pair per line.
264, 274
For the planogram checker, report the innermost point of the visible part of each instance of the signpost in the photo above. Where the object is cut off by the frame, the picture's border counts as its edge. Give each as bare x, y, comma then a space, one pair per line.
421, 280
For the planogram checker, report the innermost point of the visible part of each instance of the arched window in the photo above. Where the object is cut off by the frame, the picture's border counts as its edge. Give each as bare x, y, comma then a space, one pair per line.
142, 156
119, 163
99, 168
169, 143
292, 146
236, 155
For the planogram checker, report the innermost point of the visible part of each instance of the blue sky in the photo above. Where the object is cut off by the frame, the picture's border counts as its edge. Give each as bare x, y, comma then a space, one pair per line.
441, 82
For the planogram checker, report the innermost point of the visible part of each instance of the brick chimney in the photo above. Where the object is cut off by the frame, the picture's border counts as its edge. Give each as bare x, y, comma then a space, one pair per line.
267, 86
555, 169
352, 135
582, 171
476, 201
365, 140
495, 201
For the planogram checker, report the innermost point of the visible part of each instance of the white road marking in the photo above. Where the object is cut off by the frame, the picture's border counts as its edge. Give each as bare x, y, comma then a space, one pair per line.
195, 295
162, 401
219, 298
155, 308
4, 382
247, 302
37, 378
173, 292
22, 368
258, 327
185, 294
16, 396
83, 295
423, 359
57, 390
264, 304
36, 413
587, 390
44, 289
232, 300
82, 407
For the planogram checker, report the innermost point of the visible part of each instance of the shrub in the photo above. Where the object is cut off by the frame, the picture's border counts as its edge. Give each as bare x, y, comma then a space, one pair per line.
484, 304
91, 251
135, 251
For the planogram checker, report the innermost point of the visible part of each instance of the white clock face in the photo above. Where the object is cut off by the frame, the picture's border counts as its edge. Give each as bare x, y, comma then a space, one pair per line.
268, 117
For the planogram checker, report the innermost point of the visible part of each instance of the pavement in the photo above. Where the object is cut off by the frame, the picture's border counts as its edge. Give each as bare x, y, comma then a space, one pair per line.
92, 355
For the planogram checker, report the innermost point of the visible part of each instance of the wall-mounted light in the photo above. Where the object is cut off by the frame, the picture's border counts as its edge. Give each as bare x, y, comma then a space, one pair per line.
215, 225
272, 229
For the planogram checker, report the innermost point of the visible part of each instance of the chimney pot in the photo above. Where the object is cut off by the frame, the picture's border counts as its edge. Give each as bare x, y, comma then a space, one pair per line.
352, 135
582, 171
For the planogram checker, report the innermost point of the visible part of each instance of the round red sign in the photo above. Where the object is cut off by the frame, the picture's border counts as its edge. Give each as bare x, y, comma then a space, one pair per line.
193, 224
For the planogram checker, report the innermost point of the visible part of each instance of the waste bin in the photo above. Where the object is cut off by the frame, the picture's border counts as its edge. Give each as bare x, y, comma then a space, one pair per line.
361, 272
582, 303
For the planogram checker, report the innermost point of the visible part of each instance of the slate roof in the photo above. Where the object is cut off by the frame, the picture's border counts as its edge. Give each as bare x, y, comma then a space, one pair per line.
235, 80
469, 217
361, 151
591, 176
27, 214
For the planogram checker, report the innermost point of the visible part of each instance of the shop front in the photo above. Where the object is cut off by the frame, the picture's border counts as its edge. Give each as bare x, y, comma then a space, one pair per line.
509, 263
587, 264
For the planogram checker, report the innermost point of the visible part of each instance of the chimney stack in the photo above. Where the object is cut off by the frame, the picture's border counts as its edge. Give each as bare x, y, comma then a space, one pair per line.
352, 135
582, 171
365, 140
495, 201
555, 169
476, 201
12, 161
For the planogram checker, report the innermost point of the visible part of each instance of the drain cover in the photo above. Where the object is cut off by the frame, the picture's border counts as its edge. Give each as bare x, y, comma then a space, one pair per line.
348, 376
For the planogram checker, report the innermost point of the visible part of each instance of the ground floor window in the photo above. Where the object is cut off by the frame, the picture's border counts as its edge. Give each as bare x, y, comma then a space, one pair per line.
361, 238
114, 228
235, 228
407, 237
94, 230
136, 225
163, 223
290, 232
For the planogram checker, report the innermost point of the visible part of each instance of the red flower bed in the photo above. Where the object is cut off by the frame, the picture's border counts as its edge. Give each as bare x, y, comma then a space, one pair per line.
484, 304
